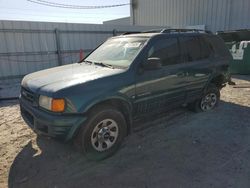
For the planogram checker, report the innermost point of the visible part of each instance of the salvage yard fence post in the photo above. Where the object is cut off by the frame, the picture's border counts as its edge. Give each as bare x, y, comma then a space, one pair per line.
58, 46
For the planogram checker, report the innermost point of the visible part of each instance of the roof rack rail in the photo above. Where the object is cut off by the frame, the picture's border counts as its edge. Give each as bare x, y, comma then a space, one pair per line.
185, 30
153, 31
147, 31
130, 32
169, 31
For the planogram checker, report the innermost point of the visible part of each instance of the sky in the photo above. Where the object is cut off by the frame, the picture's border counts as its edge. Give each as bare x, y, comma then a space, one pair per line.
29, 11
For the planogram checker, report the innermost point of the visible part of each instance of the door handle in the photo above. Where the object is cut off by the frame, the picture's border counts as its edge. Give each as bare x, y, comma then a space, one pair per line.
181, 74
143, 94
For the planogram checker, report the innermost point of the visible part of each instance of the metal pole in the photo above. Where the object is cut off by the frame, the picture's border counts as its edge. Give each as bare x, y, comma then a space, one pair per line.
58, 46
133, 5
114, 32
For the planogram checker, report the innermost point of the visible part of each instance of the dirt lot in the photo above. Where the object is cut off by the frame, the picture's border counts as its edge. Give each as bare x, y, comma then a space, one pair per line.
180, 149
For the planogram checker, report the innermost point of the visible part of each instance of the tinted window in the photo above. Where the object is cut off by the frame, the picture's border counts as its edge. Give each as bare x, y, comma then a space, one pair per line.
218, 46
190, 48
194, 48
206, 48
167, 50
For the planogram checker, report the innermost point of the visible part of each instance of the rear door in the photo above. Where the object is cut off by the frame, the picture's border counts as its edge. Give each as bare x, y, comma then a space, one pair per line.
162, 88
199, 64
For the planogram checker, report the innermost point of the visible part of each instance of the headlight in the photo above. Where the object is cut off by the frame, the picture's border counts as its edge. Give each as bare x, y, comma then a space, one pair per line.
55, 105
45, 102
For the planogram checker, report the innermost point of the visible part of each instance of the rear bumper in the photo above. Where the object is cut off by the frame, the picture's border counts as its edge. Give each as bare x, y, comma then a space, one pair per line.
59, 126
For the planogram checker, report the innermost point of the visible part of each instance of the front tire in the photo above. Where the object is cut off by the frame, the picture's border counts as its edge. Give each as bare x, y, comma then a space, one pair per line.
208, 101
103, 133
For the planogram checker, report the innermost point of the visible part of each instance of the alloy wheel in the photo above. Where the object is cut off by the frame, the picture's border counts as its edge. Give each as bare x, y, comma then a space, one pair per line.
208, 102
104, 135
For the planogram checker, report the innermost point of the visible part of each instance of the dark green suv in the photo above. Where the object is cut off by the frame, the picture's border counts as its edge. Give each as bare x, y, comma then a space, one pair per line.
94, 102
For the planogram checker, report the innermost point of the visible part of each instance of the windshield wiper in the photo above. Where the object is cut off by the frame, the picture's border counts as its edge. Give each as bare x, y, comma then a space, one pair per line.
103, 64
97, 63
85, 61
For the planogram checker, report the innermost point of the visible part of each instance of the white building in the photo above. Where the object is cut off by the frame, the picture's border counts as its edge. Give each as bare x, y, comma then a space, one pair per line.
216, 15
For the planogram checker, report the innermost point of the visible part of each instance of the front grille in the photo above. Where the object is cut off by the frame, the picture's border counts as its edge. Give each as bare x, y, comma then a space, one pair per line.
28, 95
42, 128
28, 117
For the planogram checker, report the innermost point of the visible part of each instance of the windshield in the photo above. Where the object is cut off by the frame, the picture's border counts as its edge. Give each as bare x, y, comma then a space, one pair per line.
118, 52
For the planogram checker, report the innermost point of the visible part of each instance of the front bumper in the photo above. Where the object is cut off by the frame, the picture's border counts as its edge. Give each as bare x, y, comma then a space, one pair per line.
54, 125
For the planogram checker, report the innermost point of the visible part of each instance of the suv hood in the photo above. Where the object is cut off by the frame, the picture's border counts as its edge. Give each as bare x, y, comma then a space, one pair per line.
54, 79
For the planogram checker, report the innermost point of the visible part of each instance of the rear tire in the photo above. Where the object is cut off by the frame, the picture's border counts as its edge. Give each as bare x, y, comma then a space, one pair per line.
208, 101
102, 134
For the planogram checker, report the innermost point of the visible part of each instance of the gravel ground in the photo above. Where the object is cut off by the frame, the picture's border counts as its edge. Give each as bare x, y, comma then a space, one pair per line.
177, 149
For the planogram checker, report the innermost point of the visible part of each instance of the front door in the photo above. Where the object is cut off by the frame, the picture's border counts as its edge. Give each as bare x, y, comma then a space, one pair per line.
162, 88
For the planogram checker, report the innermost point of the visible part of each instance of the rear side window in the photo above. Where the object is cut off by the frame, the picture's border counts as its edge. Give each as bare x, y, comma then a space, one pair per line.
218, 46
190, 48
206, 48
167, 50
194, 48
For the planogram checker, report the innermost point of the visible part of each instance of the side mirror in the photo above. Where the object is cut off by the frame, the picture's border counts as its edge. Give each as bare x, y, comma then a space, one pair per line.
153, 63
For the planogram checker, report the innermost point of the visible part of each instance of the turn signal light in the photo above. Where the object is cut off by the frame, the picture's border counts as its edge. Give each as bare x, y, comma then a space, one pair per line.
58, 105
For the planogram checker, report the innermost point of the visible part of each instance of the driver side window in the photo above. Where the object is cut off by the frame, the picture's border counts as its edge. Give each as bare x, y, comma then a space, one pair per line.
167, 50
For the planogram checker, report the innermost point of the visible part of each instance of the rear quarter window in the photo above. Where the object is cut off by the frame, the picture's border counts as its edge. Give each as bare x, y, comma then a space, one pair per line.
218, 45
206, 48
194, 48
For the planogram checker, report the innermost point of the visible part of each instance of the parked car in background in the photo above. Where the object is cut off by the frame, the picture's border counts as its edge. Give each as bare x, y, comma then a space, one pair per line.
94, 102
